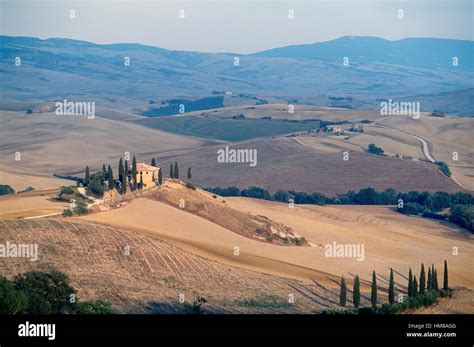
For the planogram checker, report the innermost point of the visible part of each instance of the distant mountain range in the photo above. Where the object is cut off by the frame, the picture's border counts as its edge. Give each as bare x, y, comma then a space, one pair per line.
427, 53
411, 69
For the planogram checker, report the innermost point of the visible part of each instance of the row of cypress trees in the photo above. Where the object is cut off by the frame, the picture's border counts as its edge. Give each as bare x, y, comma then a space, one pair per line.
431, 283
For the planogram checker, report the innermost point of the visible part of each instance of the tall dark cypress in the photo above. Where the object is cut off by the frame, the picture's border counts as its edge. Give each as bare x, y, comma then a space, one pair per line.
373, 293
190, 175
435, 279
422, 279
410, 284
153, 162
391, 289
110, 178
176, 171
160, 177
356, 292
445, 276
343, 293
88, 177
429, 283
134, 173
415, 287
171, 171
125, 176
121, 170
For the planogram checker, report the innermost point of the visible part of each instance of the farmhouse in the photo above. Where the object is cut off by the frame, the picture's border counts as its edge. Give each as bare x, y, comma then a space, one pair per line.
147, 173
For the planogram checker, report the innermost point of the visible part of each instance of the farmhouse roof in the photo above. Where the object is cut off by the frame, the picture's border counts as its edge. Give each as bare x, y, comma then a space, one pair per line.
145, 167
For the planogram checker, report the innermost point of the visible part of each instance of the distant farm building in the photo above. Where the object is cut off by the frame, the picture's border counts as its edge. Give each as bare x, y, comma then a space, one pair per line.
45, 109
149, 174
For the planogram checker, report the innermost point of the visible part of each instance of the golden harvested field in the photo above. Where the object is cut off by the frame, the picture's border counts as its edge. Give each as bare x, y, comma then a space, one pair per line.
154, 274
176, 251
29, 205
390, 240
66, 144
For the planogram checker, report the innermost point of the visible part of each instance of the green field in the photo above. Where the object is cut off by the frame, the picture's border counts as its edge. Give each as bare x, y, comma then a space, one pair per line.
226, 129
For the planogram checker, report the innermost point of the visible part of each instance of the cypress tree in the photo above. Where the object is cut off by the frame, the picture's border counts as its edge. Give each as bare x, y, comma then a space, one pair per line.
422, 279
415, 287
153, 162
125, 177
104, 173
140, 186
176, 171
429, 282
160, 177
343, 294
121, 171
134, 173
445, 276
391, 289
435, 280
356, 292
190, 175
373, 293
410, 284
88, 176
171, 171
110, 177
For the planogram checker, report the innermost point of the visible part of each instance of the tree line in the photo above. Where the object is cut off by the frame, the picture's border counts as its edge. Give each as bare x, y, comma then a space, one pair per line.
422, 292
411, 203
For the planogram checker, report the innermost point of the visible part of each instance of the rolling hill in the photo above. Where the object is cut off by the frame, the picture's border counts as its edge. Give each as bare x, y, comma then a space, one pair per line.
54, 69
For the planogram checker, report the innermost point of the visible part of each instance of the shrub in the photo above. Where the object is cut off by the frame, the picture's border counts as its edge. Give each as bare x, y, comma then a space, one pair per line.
444, 168
196, 307
463, 215
67, 191
94, 307
81, 208
411, 208
67, 213
95, 187
29, 189
6, 189
373, 149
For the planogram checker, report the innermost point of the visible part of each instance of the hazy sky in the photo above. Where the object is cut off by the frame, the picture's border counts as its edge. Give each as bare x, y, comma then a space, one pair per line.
239, 26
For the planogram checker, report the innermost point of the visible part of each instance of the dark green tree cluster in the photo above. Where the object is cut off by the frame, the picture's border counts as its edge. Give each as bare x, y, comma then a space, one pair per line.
374, 149
44, 293
425, 292
6, 189
414, 203
431, 284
